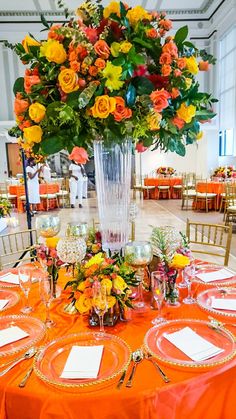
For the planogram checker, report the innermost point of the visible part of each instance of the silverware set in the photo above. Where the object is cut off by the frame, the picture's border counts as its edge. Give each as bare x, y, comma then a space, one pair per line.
9, 365
138, 356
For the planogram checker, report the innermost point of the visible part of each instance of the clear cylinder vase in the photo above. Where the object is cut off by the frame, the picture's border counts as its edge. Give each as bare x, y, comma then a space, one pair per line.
113, 182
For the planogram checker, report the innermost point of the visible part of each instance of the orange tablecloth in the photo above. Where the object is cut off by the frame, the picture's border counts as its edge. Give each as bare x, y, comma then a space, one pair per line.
208, 395
170, 181
212, 187
44, 188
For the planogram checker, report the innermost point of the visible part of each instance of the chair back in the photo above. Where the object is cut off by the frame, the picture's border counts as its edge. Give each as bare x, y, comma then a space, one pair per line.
210, 239
230, 194
16, 247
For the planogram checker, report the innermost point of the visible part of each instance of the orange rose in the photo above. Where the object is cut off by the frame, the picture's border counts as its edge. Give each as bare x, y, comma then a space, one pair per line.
73, 56
160, 99
93, 70
75, 65
165, 70
52, 34
204, 66
30, 80
100, 63
20, 105
171, 48
121, 111
165, 58
152, 33
177, 73
79, 155
166, 24
178, 122
24, 124
175, 92
181, 63
102, 49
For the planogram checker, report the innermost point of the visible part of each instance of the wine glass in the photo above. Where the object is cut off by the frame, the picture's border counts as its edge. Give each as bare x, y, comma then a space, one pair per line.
25, 281
189, 274
100, 304
158, 284
46, 295
139, 255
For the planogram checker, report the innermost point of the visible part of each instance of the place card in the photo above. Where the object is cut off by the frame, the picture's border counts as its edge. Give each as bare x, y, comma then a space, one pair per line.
193, 345
224, 303
83, 362
3, 303
11, 334
10, 278
215, 275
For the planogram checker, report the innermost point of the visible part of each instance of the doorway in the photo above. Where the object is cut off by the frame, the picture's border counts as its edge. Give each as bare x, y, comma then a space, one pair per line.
13, 159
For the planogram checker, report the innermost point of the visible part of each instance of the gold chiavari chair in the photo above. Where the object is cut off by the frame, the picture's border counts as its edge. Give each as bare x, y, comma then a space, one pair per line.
49, 196
63, 195
230, 204
210, 239
203, 200
188, 192
16, 247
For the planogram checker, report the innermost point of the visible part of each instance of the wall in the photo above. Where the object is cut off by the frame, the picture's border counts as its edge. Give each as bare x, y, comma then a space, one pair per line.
5, 138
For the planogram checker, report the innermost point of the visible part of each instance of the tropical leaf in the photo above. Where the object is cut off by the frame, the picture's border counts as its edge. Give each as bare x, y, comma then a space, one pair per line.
19, 85
181, 35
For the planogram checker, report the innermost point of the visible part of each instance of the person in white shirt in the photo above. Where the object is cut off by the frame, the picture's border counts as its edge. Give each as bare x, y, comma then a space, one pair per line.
46, 173
33, 184
76, 173
85, 184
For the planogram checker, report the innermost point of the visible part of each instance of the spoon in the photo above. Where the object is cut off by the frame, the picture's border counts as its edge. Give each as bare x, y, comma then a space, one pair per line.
31, 352
26, 377
160, 371
137, 357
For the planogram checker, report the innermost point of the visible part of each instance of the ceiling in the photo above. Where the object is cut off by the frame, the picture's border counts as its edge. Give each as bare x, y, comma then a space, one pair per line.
195, 8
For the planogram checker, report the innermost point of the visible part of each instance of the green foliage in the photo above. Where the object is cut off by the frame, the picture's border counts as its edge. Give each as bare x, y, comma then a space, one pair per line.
19, 85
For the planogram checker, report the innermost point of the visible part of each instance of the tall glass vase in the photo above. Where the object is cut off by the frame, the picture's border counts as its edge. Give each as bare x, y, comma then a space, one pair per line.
113, 182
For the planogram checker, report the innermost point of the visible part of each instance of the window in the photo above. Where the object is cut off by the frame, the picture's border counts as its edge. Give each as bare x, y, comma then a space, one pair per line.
226, 138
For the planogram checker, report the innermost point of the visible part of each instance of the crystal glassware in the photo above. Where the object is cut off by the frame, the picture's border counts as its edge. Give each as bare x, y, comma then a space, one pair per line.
100, 302
189, 273
48, 225
139, 255
25, 281
158, 285
46, 295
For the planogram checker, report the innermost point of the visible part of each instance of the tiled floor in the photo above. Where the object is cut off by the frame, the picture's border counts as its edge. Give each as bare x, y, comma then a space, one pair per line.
151, 213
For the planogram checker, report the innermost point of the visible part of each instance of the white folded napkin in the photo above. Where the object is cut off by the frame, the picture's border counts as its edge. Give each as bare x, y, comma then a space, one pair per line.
11, 334
3, 303
216, 275
83, 362
224, 303
10, 278
193, 345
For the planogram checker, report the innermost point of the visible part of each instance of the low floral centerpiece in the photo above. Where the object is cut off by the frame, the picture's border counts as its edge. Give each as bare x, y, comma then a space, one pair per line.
224, 172
166, 171
115, 275
5, 207
172, 249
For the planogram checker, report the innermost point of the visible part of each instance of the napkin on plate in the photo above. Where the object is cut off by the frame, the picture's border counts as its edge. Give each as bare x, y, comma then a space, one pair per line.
224, 303
83, 362
216, 275
10, 278
3, 303
11, 334
193, 345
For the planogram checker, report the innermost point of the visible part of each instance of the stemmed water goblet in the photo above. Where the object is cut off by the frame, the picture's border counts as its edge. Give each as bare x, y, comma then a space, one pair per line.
25, 281
46, 295
139, 255
158, 285
100, 303
189, 274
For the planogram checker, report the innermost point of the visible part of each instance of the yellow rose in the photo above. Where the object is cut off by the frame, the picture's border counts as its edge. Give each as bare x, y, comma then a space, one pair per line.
68, 80
29, 42
153, 120
113, 7
107, 284
51, 242
37, 112
83, 304
115, 49
188, 82
199, 135
136, 14
179, 261
33, 134
186, 112
125, 46
103, 106
81, 287
119, 283
111, 301
95, 260
53, 51
192, 65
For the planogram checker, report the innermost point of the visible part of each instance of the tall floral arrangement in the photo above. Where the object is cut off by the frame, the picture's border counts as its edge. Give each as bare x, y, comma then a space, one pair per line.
110, 72
224, 172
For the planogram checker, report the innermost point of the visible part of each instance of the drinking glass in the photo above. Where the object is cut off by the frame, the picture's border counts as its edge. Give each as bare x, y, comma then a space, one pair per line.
158, 284
100, 303
189, 273
25, 281
46, 295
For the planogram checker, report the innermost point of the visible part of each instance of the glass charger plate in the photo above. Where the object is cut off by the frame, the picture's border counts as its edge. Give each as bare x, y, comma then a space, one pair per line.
158, 346
50, 361
202, 269
12, 297
34, 327
205, 299
8, 284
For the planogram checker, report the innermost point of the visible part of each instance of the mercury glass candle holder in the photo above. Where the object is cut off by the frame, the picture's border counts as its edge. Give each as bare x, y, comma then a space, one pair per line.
77, 229
48, 225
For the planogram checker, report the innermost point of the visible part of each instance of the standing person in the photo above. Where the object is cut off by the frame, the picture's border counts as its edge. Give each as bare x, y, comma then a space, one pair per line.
76, 174
33, 184
46, 172
85, 184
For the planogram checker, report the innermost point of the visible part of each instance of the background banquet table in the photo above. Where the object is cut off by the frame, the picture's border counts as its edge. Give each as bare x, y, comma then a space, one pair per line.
194, 394
168, 181
19, 190
212, 187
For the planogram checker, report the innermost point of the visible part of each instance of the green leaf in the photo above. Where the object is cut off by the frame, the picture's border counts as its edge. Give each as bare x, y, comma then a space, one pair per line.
205, 114
52, 144
122, 10
19, 85
138, 59
180, 149
181, 35
119, 61
130, 95
44, 22
143, 43
143, 85
147, 141
189, 45
72, 100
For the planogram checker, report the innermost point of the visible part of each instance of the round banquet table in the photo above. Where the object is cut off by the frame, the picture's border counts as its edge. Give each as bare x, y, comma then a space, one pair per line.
44, 188
162, 181
212, 187
194, 394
